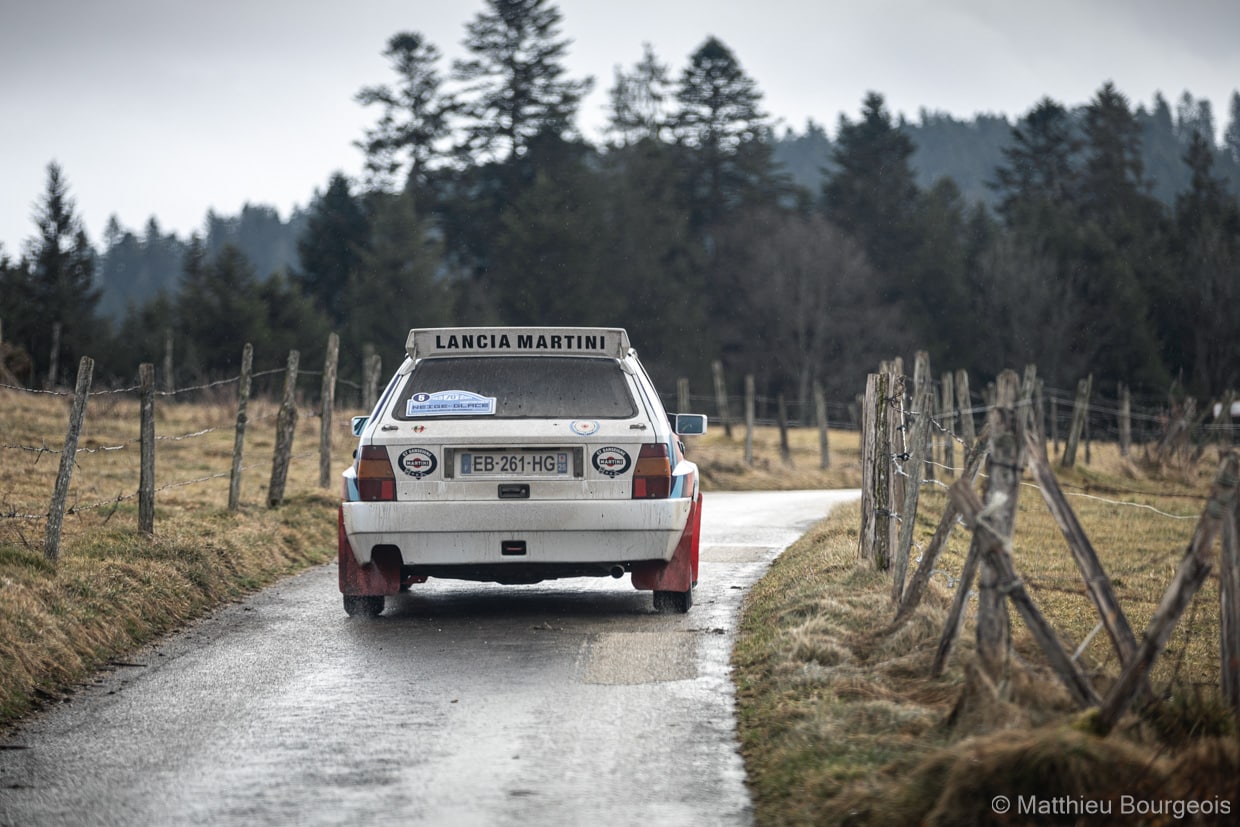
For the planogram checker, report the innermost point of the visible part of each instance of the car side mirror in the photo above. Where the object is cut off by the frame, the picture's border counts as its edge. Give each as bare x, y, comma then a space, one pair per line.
359, 424
689, 424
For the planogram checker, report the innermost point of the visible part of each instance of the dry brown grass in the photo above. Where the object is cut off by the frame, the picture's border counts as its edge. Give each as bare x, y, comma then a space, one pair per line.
114, 588
841, 722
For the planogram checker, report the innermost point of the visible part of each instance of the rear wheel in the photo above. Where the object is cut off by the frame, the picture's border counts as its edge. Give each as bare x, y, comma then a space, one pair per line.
363, 605
667, 602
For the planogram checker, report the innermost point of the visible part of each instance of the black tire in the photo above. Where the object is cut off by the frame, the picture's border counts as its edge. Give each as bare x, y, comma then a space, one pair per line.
363, 605
668, 602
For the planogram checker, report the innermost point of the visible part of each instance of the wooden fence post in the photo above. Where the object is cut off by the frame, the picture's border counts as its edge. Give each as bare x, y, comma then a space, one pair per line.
1229, 610
1007, 462
914, 463
169, 379
1192, 572
369, 381
68, 455
721, 397
286, 424
682, 395
949, 423
749, 418
820, 415
1080, 410
785, 452
146, 430
876, 514
53, 365
1125, 420
243, 400
329, 400
964, 404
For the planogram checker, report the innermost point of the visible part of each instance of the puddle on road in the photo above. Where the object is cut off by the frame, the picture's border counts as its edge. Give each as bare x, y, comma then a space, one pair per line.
640, 657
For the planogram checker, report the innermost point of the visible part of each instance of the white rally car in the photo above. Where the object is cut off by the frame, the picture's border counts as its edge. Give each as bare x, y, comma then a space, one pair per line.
516, 455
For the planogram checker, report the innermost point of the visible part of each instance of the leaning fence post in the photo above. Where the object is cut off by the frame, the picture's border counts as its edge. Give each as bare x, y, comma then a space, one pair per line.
56, 513
146, 473
1193, 569
721, 397
328, 399
286, 424
1080, 410
243, 399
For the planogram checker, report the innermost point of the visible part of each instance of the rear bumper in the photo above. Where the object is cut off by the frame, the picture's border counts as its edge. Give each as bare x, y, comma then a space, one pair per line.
553, 532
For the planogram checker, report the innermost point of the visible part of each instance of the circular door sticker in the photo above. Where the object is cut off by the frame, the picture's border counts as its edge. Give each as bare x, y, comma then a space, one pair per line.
417, 462
611, 461
584, 427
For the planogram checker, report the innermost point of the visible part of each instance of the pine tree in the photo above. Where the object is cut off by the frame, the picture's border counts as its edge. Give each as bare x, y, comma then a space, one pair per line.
414, 117
1205, 312
720, 121
60, 288
639, 101
515, 85
396, 285
872, 194
1038, 174
331, 247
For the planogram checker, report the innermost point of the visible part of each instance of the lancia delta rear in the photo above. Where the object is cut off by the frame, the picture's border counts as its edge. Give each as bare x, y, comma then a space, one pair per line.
517, 455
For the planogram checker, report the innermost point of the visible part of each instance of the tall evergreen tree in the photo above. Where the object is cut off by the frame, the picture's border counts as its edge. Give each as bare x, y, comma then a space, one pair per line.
332, 246
1123, 242
395, 286
639, 101
719, 119
1205, 312
1038, 174
218, 310
872, 193
515, 87
1231, 136
414, 117
60, 287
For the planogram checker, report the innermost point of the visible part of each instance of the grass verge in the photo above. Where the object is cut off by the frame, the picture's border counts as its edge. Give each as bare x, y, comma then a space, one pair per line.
841, 722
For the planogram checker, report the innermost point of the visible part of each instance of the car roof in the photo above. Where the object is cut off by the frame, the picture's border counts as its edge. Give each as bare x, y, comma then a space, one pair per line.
611, 342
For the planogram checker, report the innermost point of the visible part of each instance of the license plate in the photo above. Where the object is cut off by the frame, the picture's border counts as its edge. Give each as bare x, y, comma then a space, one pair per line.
527, 463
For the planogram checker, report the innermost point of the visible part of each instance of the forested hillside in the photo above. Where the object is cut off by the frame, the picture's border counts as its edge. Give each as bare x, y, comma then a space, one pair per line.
1099, 238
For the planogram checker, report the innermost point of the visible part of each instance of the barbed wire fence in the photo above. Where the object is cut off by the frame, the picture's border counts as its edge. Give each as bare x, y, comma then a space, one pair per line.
902, 424
68, 453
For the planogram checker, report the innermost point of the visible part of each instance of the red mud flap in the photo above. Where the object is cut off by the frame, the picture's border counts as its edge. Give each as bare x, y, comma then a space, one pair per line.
681, 572
380, 576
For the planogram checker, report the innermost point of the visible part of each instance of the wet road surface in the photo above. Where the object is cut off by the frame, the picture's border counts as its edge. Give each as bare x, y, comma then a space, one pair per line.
564, 703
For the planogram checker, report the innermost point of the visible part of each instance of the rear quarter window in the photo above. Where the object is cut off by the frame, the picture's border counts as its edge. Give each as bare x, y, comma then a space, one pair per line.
523, 387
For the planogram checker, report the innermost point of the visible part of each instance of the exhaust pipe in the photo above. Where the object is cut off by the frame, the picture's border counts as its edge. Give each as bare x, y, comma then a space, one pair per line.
617, 572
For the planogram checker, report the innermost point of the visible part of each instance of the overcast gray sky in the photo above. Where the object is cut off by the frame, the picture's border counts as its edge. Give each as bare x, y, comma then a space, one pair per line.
172, 108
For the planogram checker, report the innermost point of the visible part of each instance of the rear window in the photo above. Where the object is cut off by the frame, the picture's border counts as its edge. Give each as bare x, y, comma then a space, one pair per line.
515, 387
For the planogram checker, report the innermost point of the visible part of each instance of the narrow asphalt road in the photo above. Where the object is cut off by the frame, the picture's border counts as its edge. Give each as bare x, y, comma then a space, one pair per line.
565, 703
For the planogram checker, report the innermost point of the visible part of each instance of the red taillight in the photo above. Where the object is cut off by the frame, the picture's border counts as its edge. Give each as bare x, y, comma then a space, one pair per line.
652, 478
375, 480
